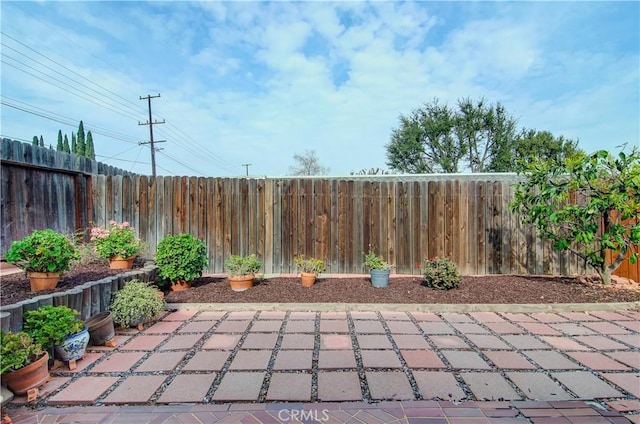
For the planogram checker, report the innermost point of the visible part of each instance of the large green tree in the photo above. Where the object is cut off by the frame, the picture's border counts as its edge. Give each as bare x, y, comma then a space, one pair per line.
35, 141
74, 144
65, 145
588, 205
474, 136
81, 142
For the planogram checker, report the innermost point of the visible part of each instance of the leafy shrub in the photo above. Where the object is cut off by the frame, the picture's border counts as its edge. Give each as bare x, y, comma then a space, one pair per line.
440, 273
181, 257
43, 251
50, 325
373, 261
18, 350
310, 265
237, 266
118, 240
136, 302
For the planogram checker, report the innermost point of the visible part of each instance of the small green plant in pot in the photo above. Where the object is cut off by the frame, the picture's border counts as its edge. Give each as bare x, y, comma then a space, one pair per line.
241, 271
44, 255
181, 258
440, 273
310, 268
23, 362
59, 327
135, 304
379, 269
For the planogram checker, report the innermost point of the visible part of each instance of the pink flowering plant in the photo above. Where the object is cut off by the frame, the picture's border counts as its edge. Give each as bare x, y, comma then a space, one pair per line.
118, 240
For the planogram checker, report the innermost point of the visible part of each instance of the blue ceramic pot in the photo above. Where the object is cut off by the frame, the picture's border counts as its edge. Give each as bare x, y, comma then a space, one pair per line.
73, 347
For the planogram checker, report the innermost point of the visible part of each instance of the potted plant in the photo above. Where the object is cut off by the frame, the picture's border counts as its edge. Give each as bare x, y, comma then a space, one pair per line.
23, 363
135, 304
310, 268
379, 269
59, 327
181, 258
241, 271
118, 244
44, 255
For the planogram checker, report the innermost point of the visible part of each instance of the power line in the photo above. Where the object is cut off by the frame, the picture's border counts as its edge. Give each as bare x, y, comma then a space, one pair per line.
151, 123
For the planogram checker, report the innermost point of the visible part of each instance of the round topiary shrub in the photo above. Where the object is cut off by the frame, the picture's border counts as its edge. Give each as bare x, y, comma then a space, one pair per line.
181, 257
440, 273
137, 302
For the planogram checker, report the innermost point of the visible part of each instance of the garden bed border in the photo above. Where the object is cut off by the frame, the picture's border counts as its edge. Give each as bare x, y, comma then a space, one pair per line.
89, 298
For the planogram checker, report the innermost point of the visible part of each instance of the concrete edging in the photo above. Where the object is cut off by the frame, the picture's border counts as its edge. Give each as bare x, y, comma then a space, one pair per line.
402, 307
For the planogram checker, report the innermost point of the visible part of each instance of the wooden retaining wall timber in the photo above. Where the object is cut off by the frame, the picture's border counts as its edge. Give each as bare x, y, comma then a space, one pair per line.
89, 299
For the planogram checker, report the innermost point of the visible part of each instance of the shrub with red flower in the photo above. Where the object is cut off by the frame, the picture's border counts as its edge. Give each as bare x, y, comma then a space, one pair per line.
118, 240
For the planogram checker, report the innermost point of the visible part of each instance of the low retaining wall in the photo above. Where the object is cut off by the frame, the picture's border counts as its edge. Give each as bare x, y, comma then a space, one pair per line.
89, 298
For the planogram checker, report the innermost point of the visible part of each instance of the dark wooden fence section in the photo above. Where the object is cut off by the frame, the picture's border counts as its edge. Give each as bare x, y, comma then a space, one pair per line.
43, 188
404, 218
462, 217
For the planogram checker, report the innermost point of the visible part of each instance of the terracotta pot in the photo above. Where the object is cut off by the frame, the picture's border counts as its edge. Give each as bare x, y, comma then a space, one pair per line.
43, 280
101, 328
121, 263
308, 279
33, 375
73, 347
241, 282
180, 285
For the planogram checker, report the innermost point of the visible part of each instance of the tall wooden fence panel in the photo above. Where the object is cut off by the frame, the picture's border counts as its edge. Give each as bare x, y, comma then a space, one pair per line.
42, 188
462, 217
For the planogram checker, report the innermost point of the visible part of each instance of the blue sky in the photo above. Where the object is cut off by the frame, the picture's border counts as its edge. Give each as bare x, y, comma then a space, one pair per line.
256, 82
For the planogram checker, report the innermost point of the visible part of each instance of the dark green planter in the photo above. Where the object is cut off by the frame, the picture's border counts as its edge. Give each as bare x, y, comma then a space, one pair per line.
380, 277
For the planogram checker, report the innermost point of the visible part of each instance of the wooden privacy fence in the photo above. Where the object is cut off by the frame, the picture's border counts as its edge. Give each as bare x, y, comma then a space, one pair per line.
463, 217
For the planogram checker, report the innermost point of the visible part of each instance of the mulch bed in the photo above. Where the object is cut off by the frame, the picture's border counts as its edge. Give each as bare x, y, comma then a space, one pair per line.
500, 289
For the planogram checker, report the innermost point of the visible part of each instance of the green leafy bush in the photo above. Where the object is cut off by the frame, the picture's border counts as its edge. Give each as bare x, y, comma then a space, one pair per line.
136, 302
181, 257
373, 261
310, 265
440, 273
43, 251
18, 350
118, 240
237, 266
50, 325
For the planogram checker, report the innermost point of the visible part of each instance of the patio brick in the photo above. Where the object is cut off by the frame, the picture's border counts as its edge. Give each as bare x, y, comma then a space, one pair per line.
333, 326
551, 360
222, 341
540, 329
333, 315
392, 385
118, 362
426, 316
373, 342
524, 341
449, 342
631, 358
187, 388
548, 317
161, 361
207, 360
143, 342
338, 386
422, 359
538, 386
600, 342
231, 326
208, 315
305, 326
364, 315
181, 341
572, 329
380, 359
402, 327
366, 326
628, 381
266, 326
430, 327
465, 360
293, 360
518, 317
290, 387
489, 386
260, 341
564, 343
83, 391
395, 316
483, 341
508, 359
241, 315
408, 341
504, 328
438, 385
610, 316
302, 315
586, 385
597, 361
469, 328
251, 360
197, 327
606, 328
237, 386
181, 315
136, 389
298, 341
336, 359
335, 341
486, 317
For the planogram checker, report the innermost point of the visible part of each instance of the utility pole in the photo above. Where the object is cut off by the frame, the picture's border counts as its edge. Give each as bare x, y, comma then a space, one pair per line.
247, 165
151, 142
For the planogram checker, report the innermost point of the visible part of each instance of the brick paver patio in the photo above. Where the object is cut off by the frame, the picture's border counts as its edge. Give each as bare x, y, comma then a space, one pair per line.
390, 366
